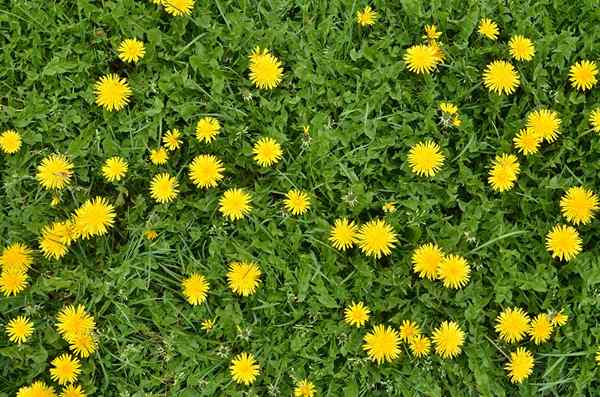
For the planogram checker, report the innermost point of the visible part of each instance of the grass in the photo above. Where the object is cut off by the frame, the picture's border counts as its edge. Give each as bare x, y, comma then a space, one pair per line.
364, 110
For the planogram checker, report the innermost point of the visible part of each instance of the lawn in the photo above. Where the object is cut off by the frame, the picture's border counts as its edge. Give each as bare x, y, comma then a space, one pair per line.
346, 113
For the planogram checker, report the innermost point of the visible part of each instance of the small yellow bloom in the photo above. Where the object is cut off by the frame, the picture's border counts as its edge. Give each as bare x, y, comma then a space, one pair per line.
243, 277
408, 330
578, 205
541, 328
267, 151
595, 119
172, 140
500, 77
112, 92
297, 202
178, 7
366, 17
583, 75
195, 288
563, 242
420, 346
265, 69
504, 172
521, 48
382, 344
19, 329
431, 32
512, 325
305, 388
207, 129
488, 29
426, 259
114, 169
131, 50
208, 324
376, 238
206, 171
421, 58
54, 172
448, 339
425, 158
12, 282
389, 207
10, 141
560, 318
520, 365
448, 108
151, 234
164, 188
17, 257
545, 123
343, 234
244, 368
527, 141
235, 204
66, 369
454, 271
159, 156
357, 314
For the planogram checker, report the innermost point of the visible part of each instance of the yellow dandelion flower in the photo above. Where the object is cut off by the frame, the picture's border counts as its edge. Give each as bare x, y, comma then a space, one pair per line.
504, 172
159, 156
382, 344
578, 205
527, 141
343, 234
19, 329
595, 120
112, 92
448, 339
296, 201
235, 204
56, 239
456, 121
83, 344
12, 283
131, 50
563, 242
265, 69
512, 325
244, 369
54, 172
243, 277
208, 324
10, 141
357, 314
178, 7
74, 320
376, 238
114, 169
454, 271
431, 32
164, 188
488, 29
267, 151
94, 218
151, 234
206, 171
55, 201
521, 48
448, 108
408, 330
72, 391
366, 16
305, 388
500, 77
37, 389
389, 207
545, 123
421, 58
540, 328
426, 259
172, 139
560, 319
419, 346
16, 257
583, 75
195, 288
65, 369
520, 365
207, 129
425, 158
438, 50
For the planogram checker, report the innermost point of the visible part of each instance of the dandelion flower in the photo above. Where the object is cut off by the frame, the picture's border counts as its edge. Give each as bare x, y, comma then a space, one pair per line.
376, 238
520, 365
72, 391
431, 32
448, 108
305, 388
527, 141
265, 69
178, 7
114, 169
37, 389
12, 283
131, 50
454, 271
267, 151
16, 257
583, 75
366, 17
19, 329
521, 48
408, 330
235, 204
504, 172
420, 346
244, 368
83, 344
512, 325
208, 324
297, 202
343, 234
172, 140
151, 234
94, 218
74, 320
164, 188
448, 339
421, 58
56, 239
357, 314
540, 328
195, 289
595, 120
560, 319
206, 171
207, 129
488, 29
54, 172
425, 158
389, 207
243, 277
159, 156
500, 77
426, 259
578, 205
112, 92
563, 242
545, 123
10, 141
65, 369
382, 344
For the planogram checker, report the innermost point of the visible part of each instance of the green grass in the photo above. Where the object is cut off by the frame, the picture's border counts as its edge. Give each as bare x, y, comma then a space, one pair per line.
364, 110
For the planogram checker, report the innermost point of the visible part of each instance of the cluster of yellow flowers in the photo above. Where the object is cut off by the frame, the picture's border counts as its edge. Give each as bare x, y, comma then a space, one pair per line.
375, 238
429, 261
513, 325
